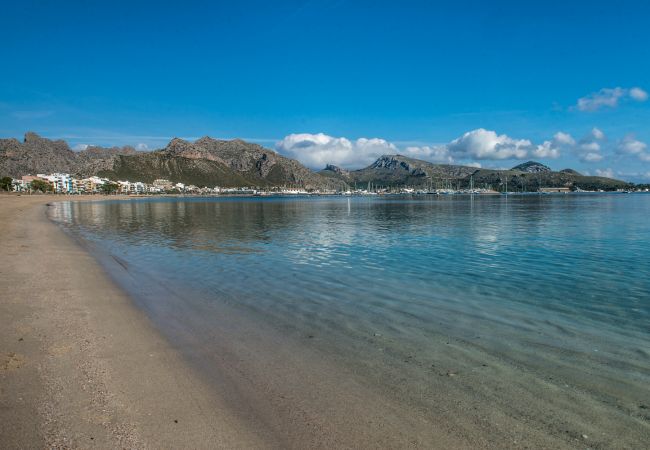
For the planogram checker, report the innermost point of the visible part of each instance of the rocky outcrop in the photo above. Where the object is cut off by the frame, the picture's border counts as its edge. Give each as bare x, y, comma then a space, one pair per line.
532, 167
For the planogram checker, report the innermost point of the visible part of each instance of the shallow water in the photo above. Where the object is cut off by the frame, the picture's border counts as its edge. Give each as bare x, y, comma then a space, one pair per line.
555, 287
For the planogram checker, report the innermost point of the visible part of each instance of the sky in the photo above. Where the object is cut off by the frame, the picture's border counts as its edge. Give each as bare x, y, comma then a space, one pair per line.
490, 84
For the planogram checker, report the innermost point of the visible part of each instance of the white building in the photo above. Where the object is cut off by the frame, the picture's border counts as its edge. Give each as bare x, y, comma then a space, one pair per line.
128, 187
61, 182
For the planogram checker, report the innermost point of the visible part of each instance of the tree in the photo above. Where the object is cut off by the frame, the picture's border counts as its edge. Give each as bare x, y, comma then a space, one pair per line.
108, 188
40, 185
5, 183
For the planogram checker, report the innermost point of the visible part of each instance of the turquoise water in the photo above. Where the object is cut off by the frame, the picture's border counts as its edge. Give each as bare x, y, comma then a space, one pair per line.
556, 286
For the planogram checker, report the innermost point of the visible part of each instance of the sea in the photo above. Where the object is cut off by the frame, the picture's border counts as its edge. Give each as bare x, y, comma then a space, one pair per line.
523, 318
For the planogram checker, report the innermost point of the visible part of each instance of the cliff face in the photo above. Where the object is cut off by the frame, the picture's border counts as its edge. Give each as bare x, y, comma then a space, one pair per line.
40, 155
35, 154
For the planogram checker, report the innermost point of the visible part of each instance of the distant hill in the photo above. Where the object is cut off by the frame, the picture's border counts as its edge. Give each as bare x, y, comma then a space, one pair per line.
205, 162
398, 170
518, 180
571, 171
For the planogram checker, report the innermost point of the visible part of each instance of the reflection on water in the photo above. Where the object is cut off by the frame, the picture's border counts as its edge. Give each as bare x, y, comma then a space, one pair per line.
556, 284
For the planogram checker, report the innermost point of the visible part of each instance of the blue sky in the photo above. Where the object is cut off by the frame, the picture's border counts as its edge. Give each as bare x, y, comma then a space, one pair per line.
339, 81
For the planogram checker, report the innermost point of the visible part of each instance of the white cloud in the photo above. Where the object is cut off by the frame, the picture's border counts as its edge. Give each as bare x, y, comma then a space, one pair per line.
564, 138
80, 147
608, 173
589, 147
486, 144
591, 157
638, 94
551, 149
142, 147
547, 150
597, 133
317, 150
631, 146
437, 153
610, 98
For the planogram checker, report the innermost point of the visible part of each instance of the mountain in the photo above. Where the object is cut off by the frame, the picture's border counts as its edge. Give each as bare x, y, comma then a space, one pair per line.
334, 171
212, 162
532, 167
205, 162
398, 170
40, 155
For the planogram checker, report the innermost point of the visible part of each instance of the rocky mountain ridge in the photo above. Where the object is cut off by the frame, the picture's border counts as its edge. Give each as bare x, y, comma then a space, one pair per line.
398, 170
204, 162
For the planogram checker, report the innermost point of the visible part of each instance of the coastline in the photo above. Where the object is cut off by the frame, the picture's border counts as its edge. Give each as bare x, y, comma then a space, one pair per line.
96, 367
80, 365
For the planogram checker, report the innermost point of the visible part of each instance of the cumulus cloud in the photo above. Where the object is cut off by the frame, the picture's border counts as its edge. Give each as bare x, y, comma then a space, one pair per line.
552, 148
608, 173
80, 147
638, 94
142, 147
486, 144
629, 145
317, 150
610, 98
596, 133
564, 138
437, 153
588, 149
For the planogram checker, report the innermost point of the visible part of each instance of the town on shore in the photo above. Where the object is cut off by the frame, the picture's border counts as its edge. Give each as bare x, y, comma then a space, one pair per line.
64, 183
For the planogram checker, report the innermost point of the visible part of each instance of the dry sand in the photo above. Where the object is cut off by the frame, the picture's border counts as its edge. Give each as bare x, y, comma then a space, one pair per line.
79, 365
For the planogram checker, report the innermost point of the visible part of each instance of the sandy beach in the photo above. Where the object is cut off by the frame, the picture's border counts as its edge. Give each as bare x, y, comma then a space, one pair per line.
79, 365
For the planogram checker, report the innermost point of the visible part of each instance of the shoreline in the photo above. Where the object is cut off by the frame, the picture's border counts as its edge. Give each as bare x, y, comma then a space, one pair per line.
80, 365
84, 360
